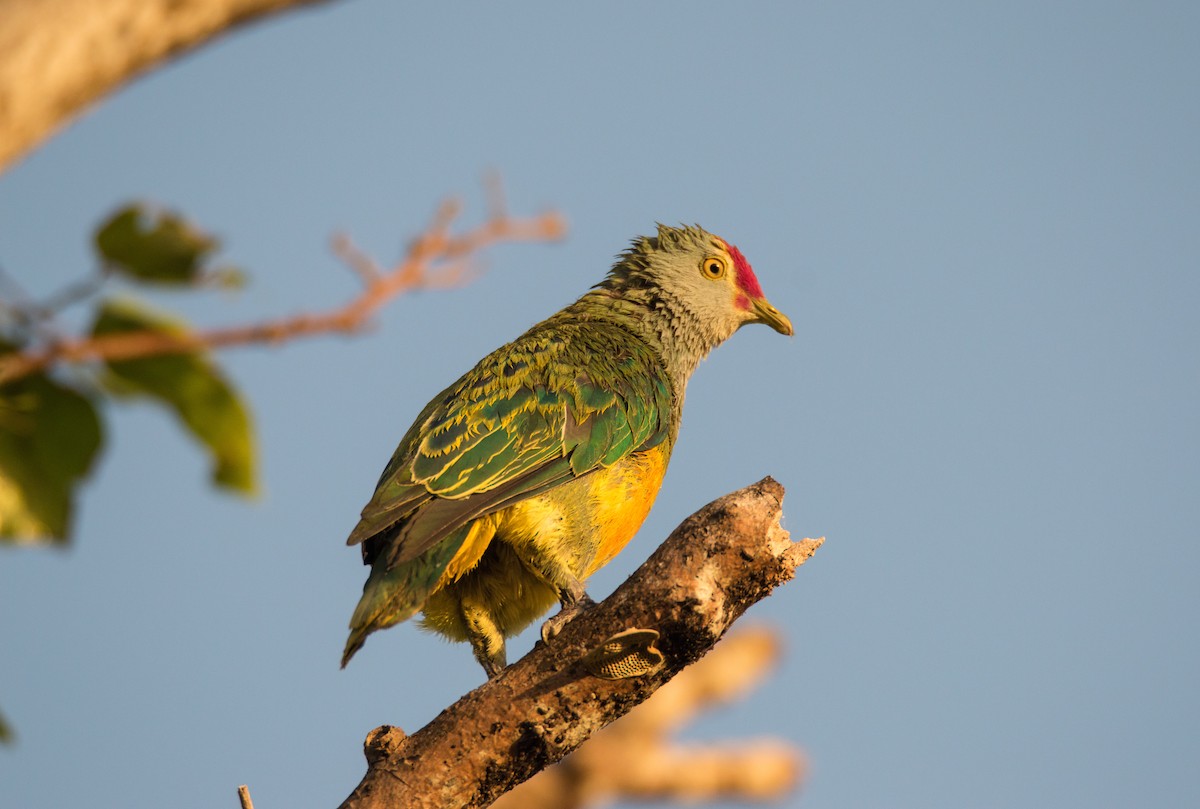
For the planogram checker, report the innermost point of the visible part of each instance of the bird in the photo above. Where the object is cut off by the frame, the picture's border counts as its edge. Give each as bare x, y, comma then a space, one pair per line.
538, 465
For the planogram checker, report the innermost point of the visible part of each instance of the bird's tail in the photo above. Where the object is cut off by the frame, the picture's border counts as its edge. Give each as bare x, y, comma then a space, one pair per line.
395, 595
358, 636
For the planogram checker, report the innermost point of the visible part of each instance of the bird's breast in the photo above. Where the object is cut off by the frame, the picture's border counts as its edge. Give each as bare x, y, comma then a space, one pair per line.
583, 524
622, 496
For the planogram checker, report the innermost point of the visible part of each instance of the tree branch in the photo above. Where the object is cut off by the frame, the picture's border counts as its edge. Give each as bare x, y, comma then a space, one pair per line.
435, 258
57, 57
716, 564
634, 759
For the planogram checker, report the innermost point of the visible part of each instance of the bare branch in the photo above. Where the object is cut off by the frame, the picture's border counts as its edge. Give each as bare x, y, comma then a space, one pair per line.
57, 57
434, 259
367, 268
633, 759
724, 558
244, 797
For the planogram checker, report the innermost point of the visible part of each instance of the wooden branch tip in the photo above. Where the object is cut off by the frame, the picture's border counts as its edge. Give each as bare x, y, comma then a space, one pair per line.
364, 266
716, 564
384, 742
244, 797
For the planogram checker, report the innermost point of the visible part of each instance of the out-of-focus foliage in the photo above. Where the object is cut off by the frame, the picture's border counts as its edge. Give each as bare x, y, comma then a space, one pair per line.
51, 431
49, 438
160, 247
190, 385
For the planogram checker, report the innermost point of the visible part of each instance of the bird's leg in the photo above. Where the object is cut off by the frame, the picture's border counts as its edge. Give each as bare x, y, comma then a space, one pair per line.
556, 571
487, 641
574, 600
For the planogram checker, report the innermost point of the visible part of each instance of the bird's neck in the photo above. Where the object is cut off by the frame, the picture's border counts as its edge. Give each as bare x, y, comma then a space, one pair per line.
675, 333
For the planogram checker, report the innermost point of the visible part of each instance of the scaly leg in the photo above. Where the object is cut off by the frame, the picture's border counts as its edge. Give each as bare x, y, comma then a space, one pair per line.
553, 567
574, 600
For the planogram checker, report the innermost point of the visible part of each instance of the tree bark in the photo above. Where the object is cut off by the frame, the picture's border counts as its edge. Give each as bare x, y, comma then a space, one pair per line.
59, 56
721, 560
637, 760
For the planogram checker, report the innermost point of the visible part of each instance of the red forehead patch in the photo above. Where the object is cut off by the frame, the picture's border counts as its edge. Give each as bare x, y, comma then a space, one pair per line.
746, 280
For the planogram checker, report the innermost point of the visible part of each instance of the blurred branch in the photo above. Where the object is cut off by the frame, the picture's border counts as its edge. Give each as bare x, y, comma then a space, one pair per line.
727, 556
435, 258
57, 57
633, 760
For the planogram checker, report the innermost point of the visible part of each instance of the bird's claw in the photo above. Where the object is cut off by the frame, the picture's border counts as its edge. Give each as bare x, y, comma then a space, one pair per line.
568, 613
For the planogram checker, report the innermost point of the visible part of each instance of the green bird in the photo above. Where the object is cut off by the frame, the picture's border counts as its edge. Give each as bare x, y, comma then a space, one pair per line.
538, 465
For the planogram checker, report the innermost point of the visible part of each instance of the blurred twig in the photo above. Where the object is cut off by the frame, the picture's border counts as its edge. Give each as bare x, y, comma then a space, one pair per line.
436, 258
58, 57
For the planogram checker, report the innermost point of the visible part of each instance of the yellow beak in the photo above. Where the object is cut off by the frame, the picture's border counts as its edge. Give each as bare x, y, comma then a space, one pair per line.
766, 313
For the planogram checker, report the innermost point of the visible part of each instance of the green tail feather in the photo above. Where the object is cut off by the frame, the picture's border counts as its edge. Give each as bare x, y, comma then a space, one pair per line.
392, 596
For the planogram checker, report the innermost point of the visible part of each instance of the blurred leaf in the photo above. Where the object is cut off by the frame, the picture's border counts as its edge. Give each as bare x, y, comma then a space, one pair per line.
6, 733
155, 247
190, 385
49, 437
229, 278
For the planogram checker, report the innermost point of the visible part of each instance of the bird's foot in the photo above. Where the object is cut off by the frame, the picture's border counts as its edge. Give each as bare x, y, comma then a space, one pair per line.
492, 667
567, 614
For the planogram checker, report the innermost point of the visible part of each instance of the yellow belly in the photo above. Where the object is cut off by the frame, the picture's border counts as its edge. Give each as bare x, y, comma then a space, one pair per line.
623, 496
580, 525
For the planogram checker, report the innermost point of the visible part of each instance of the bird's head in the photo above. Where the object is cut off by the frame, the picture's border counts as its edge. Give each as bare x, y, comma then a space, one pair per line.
706, 275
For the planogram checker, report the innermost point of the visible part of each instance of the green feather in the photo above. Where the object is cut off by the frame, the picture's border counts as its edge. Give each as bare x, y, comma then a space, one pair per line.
585, 389
523, 420
394, 595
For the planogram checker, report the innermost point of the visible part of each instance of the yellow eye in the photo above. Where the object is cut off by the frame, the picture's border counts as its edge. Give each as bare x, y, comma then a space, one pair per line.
713, 267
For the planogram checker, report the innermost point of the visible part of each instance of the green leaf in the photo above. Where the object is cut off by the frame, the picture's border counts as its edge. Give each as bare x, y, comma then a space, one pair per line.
49, 437
154, 246
6, 732
191, 386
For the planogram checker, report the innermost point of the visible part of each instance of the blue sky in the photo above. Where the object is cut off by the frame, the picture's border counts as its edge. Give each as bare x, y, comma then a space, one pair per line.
982, 219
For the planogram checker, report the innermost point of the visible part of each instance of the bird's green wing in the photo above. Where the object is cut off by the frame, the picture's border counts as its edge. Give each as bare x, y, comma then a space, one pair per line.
532, 415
